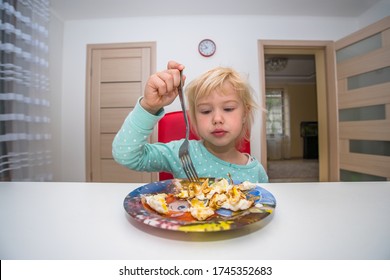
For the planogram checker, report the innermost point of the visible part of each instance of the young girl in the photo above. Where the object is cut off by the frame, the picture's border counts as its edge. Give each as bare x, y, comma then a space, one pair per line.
221, 111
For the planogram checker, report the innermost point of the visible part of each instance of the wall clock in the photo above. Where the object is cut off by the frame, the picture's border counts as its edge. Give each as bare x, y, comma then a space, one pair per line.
207, 47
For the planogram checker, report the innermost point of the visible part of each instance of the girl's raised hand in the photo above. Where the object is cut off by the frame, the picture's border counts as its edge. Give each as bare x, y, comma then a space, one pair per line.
161, 88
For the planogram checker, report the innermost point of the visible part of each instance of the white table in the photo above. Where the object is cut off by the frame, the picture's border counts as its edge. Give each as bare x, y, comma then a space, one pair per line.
87, 221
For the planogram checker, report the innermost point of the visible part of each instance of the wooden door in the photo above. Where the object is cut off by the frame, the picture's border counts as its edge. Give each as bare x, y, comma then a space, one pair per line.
363, 76
116, 77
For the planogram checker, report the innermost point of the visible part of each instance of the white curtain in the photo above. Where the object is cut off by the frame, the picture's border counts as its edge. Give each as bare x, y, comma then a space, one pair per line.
278, 124
24, 91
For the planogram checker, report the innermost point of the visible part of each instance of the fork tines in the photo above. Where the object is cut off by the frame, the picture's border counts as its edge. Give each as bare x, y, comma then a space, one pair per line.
189, 168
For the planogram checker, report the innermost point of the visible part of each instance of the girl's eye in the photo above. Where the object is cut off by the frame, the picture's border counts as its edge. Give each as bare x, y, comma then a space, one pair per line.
205, 112
229, 109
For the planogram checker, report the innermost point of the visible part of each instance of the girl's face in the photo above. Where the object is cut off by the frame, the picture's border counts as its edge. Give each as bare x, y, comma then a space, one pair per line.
220, 117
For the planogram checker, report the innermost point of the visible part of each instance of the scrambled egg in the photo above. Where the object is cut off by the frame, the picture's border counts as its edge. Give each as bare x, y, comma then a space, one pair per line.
199, 210
205, 198
157, 202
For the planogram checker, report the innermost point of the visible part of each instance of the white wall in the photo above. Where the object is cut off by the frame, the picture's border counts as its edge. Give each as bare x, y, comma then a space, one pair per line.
55, 46
177, 38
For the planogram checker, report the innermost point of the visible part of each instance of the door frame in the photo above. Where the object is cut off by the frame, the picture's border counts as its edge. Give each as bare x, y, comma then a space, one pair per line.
324, 54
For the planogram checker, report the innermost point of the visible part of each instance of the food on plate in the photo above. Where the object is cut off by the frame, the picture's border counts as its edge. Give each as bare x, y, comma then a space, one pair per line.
157, 202
205, 197
199, 210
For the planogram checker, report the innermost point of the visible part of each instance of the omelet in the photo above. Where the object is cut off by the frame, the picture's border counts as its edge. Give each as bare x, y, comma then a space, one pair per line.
157, 202
199, 210
205, 198
241, 204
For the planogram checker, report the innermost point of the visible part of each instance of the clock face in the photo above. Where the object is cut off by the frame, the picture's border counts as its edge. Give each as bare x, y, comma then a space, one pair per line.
207, 47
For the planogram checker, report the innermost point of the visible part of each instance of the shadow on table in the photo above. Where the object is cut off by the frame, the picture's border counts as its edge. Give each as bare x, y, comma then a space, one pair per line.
200, 236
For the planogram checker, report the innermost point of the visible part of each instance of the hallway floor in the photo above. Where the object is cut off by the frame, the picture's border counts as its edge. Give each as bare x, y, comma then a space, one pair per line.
293, 170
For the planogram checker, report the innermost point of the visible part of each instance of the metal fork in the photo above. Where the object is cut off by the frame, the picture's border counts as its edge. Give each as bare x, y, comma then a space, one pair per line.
184, 153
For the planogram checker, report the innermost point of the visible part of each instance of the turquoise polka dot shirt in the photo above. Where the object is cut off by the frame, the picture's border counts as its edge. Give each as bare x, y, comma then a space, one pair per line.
131, 149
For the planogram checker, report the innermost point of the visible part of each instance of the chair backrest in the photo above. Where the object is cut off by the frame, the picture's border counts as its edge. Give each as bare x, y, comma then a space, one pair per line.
172, 127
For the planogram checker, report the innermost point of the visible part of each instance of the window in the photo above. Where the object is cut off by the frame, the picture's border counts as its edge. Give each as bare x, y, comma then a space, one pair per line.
277, 107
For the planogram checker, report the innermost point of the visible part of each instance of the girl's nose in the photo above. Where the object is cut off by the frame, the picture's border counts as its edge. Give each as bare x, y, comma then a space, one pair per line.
217, 118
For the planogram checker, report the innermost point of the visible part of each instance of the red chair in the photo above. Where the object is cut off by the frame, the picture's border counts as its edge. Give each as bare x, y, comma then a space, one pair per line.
172, 127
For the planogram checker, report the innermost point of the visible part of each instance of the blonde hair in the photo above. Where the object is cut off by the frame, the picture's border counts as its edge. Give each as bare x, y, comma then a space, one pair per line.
214, 79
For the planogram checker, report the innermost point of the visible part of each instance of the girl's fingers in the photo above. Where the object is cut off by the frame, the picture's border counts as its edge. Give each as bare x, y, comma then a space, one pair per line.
171, 79
175, 65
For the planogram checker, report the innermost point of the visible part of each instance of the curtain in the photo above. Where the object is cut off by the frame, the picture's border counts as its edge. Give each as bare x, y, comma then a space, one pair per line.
24, 91
278, 124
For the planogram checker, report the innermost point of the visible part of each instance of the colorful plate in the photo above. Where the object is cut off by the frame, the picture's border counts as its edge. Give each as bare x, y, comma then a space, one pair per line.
181, 220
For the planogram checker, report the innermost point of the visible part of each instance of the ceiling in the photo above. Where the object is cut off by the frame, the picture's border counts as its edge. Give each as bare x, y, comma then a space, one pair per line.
95, 9
299, 69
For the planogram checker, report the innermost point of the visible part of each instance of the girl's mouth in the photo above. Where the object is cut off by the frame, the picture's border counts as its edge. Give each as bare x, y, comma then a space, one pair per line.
219, 132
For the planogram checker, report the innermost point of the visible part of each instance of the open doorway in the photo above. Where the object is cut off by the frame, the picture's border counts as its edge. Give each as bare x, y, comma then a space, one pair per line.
292, 118
322, 110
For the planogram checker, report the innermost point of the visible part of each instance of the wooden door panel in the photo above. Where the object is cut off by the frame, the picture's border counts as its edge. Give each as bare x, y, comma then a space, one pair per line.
365, 130
121, 69
365, 63
112, 119
378, 94
366, 164
106, 145
113, 172
119, 94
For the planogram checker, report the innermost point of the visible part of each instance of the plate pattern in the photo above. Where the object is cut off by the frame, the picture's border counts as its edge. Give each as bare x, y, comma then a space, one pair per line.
179, 219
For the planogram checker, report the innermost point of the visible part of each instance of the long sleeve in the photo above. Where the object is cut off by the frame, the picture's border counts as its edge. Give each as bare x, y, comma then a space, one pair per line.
131, 148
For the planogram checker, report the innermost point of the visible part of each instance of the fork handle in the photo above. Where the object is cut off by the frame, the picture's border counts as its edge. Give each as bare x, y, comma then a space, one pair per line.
183, 106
